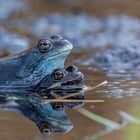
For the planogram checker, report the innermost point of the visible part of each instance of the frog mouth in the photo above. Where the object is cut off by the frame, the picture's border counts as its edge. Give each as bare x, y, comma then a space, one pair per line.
71, 86
73, 82
59, 54
64, 90
40, 57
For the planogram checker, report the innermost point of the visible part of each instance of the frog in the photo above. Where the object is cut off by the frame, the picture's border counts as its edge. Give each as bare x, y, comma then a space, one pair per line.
24, 84
61, 83
50, 118
34, 64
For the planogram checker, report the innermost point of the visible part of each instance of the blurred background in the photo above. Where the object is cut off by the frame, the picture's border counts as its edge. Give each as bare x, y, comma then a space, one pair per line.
106, 39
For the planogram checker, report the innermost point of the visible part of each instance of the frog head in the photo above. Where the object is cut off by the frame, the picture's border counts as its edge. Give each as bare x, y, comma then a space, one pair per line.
62, 82
48, 55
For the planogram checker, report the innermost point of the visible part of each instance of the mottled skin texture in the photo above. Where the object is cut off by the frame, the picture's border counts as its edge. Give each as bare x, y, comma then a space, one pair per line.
28, 79
71, 82
36, 63
48, 117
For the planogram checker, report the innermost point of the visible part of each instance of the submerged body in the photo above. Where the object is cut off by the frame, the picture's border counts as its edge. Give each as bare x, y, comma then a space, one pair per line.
28, 100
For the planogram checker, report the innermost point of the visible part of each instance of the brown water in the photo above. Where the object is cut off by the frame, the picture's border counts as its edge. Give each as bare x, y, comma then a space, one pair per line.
13, 126
16, 127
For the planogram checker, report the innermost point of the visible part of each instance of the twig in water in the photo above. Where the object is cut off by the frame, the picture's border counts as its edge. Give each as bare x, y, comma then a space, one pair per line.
61, 98
73, 101
91, 88
85, 90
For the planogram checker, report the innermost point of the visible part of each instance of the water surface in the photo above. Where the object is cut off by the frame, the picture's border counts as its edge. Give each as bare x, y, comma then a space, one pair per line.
106, 47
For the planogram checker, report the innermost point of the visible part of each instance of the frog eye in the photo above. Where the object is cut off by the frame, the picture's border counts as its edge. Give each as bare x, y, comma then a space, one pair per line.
44, 45
58, 74
57, 106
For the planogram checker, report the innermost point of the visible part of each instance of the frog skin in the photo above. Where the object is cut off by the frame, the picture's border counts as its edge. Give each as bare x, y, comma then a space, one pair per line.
50, 118
22, 75
36, 63
52, 86
60, 83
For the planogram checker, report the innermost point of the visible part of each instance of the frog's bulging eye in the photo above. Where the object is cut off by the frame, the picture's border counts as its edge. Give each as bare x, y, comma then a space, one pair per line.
57, 106
44, 45
58, 74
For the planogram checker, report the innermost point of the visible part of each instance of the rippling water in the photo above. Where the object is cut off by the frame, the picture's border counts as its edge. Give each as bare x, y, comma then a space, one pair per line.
106, 48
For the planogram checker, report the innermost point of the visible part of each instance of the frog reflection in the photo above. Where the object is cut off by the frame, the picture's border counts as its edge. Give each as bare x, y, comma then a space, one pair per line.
50, 118
60, 83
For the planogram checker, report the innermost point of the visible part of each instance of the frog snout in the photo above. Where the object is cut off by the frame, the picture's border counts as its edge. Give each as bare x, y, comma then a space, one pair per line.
75, 72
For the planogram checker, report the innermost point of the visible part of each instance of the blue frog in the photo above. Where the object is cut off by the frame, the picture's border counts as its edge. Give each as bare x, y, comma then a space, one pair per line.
34, 64
38, 75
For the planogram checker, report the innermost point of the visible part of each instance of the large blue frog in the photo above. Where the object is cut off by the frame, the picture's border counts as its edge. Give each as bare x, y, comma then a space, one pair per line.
36, 63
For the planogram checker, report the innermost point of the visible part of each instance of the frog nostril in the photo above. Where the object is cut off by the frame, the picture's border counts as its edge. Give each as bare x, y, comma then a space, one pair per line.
72, 68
